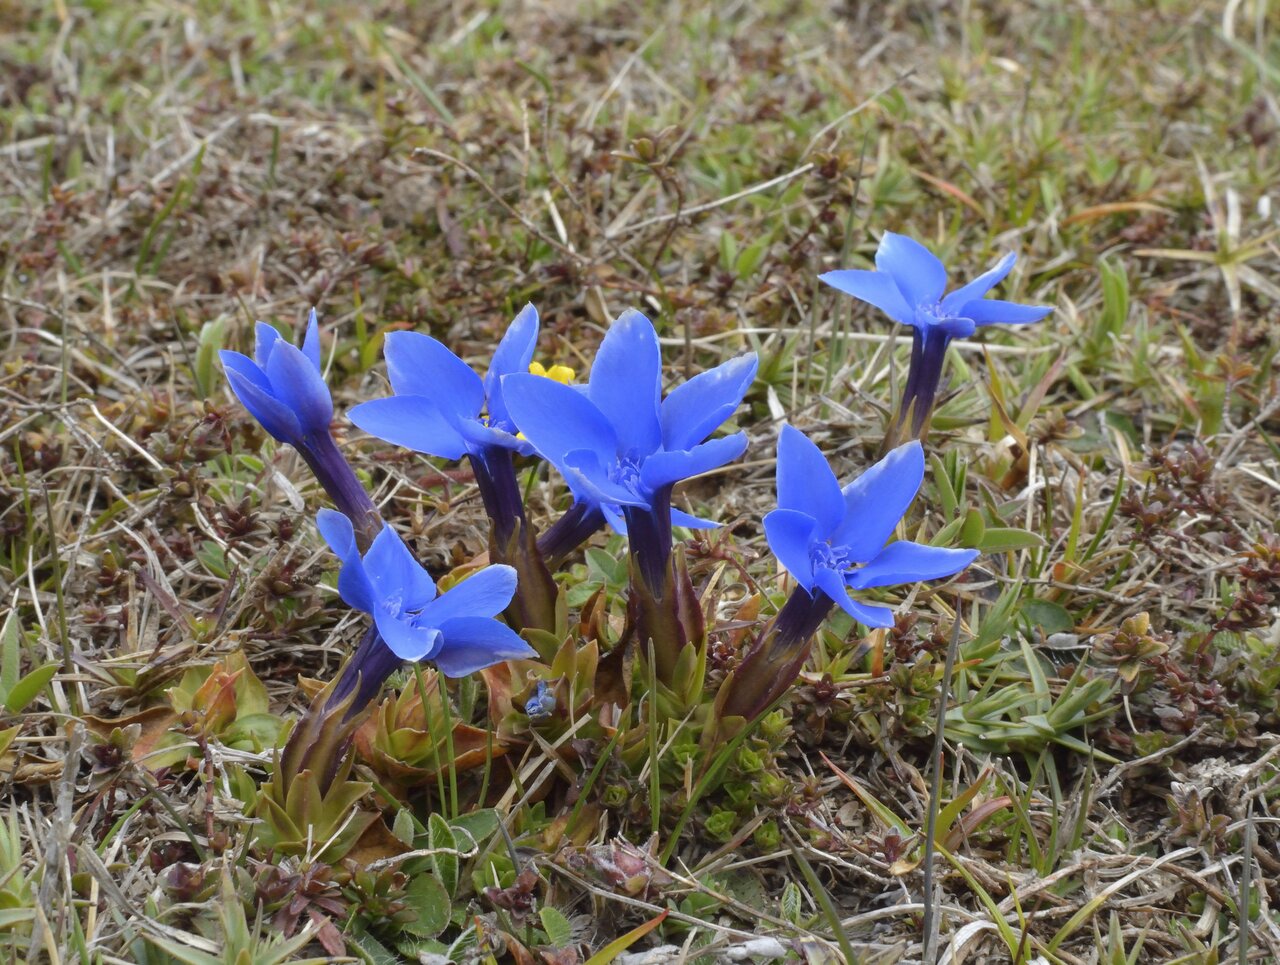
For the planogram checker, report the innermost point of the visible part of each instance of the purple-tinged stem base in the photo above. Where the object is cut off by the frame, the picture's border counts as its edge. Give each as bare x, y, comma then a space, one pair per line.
775, 658
662, 606
578, 524
513, 541
339, 480
364, 673
920, 393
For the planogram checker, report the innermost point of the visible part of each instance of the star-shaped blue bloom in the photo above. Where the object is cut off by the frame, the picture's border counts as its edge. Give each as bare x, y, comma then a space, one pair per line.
619, 443
281, 385
454, 629
908, 286
833, 540
442, 407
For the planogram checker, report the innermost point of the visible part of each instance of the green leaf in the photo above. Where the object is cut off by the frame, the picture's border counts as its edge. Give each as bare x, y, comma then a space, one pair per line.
29, 687
10, 655
579, 594
444, 859
480, 826
205, 370
946, 536
429, 900
792, 903
556, 925
973, 530
461, 944
15, 916
183, 953
942, 484
728, 251
402, 827
374, 951
420, 950
749, 258
6, 737
1000, 539
604, 568
1048, 616
213, 558
259, 730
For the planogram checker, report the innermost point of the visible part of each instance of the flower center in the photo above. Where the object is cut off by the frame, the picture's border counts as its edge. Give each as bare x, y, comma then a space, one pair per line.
831, 557
627, 474
502, 425
930, 313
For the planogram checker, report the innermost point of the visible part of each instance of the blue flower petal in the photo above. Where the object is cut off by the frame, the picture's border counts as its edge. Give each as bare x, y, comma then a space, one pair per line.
406, 640
791, 537
272, 414
311, 343
514, 353
418, 364
667, 468
626, 382
469, 644
485, 593
957, 326
353, 583
265, 338
917, 272
398, 581
247, 368
618, 523
680, 518
613, 516
875, 287
993, 311
693, 411
954, 303
411, 421
876, 500
831, 582
907, 562
479, 436
558, 419
833, 585
297, 383
806, 482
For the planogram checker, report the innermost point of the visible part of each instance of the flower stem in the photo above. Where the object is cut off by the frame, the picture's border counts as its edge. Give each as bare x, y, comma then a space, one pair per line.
920, 393
774, 660
662, 606
513, 541
339, 480
499, 490
570, 531
649, 538
364, 673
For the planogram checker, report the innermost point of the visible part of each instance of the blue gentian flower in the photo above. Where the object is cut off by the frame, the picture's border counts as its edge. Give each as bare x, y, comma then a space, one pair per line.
281, 385
833, 540
455, 630
442, 407
283, 389
541, 703
908, 286
619, 442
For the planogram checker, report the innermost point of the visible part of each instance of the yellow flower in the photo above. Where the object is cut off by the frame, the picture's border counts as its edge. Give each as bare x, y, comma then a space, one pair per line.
557, 373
